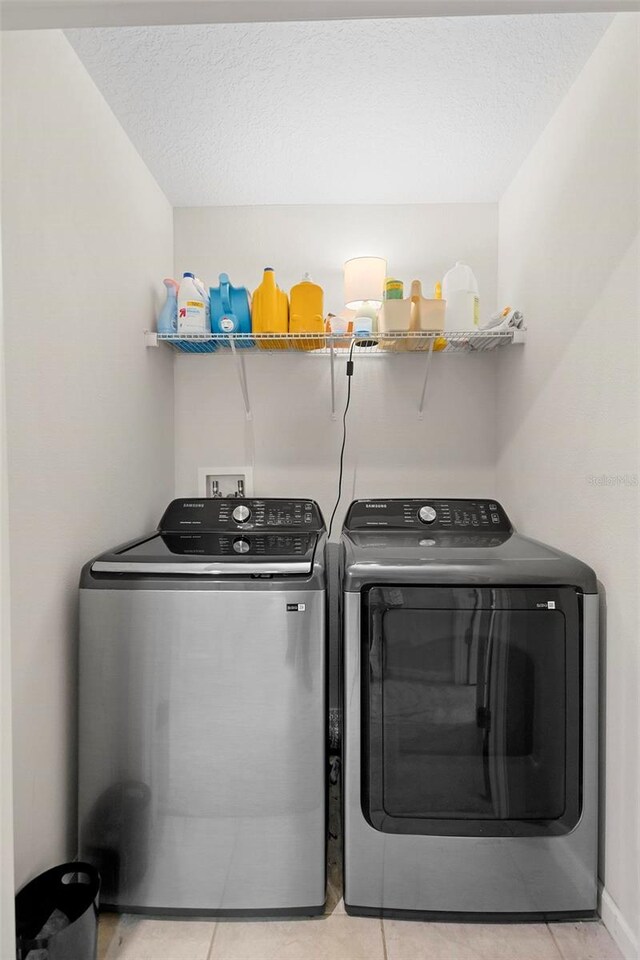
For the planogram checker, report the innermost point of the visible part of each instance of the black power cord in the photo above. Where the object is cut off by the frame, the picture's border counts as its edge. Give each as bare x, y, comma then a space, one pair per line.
344, 433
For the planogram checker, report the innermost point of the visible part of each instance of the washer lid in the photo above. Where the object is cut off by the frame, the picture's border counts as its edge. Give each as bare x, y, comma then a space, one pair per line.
214, 554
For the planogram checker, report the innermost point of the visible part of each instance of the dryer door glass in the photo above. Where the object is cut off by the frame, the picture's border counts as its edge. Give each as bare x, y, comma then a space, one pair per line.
471, 710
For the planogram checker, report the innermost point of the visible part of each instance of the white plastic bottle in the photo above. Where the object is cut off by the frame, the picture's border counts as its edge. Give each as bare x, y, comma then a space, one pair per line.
460, 290
193, 306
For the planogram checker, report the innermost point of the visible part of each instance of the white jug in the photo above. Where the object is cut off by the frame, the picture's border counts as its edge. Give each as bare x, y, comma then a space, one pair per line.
460, 290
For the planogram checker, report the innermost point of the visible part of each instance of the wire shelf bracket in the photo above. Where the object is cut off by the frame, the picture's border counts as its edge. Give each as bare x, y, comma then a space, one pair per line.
427, 368
238, 356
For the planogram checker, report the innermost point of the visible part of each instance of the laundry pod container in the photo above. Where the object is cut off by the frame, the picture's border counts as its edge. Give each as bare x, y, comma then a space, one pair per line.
270, 312
230, 311
57, 914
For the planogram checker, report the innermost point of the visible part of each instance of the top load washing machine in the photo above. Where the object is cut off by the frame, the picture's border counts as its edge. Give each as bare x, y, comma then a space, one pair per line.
202, 712
470, 711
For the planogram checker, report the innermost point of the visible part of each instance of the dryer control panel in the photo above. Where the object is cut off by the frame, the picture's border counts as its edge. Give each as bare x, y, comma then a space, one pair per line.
215, 514
470, 516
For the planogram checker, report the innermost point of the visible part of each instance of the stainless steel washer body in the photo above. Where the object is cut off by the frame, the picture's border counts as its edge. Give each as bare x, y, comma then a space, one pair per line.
470, 716
202, 713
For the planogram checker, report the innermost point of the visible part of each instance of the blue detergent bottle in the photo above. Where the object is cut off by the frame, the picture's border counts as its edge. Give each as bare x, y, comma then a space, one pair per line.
230, 310
168, 318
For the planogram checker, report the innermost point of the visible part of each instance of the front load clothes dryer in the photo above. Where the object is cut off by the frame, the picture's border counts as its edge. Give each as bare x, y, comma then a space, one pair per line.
203, 712
470, 712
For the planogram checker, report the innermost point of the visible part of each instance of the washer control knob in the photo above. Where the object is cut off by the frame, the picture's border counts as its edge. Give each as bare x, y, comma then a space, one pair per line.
241, 546
426, 514
241, 513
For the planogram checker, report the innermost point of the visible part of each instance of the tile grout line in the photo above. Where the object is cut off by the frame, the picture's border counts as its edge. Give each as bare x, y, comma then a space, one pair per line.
555, 942
384, 942
213, 937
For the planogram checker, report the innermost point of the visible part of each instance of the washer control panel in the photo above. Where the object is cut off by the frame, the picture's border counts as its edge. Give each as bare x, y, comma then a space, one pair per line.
214, 514
233, 545
469, 516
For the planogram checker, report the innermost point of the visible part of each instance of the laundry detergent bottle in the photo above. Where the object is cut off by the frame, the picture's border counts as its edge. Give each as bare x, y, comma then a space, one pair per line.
168, 318
193, 306
270, 311
307, 312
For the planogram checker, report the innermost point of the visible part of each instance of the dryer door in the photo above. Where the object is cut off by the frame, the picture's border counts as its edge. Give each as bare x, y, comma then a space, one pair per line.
471, 710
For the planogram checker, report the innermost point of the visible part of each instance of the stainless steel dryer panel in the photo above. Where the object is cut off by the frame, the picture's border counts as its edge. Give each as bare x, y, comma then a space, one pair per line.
473, 875
202, 747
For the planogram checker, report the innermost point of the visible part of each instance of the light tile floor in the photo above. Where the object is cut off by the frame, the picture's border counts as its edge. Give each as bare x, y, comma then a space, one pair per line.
339, 937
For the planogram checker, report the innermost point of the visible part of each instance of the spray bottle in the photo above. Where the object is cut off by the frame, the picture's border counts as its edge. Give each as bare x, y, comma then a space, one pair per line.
168, 318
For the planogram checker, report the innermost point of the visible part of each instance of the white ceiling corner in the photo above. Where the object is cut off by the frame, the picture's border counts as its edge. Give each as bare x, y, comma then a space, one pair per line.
375, 111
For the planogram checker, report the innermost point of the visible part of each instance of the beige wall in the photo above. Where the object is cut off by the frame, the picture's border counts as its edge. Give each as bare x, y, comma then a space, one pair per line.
87, 235
390, 452
7, 944
569, 403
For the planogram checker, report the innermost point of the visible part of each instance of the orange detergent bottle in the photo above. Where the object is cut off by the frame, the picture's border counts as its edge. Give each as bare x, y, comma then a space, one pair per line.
270, 312
307, 314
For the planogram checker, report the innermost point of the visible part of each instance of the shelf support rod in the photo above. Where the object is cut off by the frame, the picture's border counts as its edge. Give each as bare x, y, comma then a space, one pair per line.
333, 380
426, 377
242, 377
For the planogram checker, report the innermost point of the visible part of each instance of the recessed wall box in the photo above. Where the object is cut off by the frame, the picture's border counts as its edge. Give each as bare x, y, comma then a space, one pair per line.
225, 482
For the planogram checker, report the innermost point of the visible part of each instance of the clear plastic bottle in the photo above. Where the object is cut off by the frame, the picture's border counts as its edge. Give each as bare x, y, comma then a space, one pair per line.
460, 290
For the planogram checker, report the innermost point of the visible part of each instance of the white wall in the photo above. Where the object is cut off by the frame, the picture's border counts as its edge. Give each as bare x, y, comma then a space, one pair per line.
87, 235
297, 444
569, 403
7, 941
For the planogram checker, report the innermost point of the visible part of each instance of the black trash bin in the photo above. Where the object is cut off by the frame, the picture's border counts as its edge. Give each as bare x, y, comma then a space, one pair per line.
57, 914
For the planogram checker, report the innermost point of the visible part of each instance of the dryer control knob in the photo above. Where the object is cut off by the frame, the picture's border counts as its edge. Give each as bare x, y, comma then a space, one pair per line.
241, 546
427, 514
241, 513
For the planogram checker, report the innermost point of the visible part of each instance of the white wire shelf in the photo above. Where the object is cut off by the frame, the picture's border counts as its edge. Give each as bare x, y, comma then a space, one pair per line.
333, 346
381, 344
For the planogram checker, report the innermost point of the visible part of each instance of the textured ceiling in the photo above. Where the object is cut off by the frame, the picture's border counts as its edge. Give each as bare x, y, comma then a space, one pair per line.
379, 111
